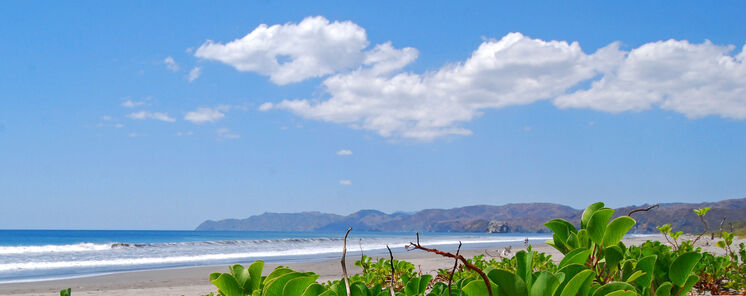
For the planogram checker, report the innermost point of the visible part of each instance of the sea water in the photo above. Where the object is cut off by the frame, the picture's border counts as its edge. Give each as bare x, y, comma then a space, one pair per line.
30, 255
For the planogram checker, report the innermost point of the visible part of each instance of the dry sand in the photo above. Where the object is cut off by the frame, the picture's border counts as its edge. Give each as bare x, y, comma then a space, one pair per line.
194, 281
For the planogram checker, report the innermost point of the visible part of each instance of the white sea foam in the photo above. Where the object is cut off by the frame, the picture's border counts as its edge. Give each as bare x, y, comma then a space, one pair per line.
81, 247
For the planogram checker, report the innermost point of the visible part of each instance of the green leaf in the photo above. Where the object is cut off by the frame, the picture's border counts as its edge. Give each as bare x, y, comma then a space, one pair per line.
613, 256
241, 275
255, 275
682, 267
617, 229
314, 289
577, 283
279, 271
664, 289
524, 268
597, 224
276, 286
508, 282
635, 276
688, 285
589, 211
227, 285
544, 285
647, 265
561, 227
413, 286
478, 288
424, 282
613, 286
578, 256
298, 285
65, 292
622, 293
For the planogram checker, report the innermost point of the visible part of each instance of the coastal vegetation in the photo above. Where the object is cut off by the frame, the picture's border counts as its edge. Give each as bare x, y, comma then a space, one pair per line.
595, 263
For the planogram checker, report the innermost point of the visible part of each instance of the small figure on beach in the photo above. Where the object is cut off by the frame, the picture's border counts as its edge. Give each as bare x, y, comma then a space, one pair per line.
525, 242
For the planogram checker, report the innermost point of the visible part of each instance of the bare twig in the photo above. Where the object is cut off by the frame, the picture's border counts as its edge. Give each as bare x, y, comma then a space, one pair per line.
344, 267
455, 264
701, 218
721, 225
450, 255
393, 280
362, 256
642, 209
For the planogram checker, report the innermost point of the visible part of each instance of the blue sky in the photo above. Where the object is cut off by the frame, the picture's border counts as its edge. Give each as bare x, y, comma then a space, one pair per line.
122, 115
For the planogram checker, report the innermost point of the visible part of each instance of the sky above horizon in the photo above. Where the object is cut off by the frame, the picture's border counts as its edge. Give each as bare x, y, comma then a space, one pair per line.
160, 115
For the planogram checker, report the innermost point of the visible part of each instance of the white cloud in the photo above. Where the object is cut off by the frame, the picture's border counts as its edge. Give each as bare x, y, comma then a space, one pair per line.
171, 64
206, 114
265, 107
515, 70
106, 118
132, 104
224, 133
345, 182
189, 133
292, 52
119, 125
141, 115
696, 80
344, 152
194, 74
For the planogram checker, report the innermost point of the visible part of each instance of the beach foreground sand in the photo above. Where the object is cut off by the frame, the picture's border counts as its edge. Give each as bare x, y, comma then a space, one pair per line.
194, 281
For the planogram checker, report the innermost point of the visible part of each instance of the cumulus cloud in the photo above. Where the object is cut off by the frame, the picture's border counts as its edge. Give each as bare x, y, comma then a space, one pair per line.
345, 182
292, 52
696, 80
141, 115
171, 64
206, 114
194, 74
224, 133
344, 152
369, 88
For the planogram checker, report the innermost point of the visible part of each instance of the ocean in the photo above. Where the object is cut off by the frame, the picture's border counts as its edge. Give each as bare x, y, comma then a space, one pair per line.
32, 255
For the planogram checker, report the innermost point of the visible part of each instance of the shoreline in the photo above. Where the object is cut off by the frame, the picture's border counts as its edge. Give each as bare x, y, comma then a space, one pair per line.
190, 281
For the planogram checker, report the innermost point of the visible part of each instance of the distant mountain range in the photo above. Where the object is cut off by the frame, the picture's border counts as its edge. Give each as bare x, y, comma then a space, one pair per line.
517, 217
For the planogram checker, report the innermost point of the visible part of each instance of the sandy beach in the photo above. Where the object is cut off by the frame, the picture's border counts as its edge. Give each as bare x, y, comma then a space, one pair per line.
194, 281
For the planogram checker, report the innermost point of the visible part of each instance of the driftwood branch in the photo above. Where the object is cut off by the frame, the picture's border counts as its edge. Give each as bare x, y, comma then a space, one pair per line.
393, 280
721, 225
417, 246
701, 218
455, 264
642, 209
344, 266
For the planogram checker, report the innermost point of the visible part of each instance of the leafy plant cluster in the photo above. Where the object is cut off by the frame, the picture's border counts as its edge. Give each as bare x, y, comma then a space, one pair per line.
596, 263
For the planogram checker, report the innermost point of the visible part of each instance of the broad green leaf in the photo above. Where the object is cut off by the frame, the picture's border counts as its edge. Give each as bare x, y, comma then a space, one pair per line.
622, 293
613, 286
241, 275
255, 275
616, 229
314, 289
682, 267
524, 268
577, 283
279, 271
276, 286
597, 224
508, 282
478, 288
327, 293
583, 240
228, 285
296, 286
688, 285
635, 276
413, 286
647, 265
578, 256
664, 289
424, 282
65, 292
589, 211
568, 272
544, 285
613, 256
561, 227
358, 289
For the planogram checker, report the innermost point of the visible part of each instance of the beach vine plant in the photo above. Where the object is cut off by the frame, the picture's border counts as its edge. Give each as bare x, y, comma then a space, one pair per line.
596, 263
